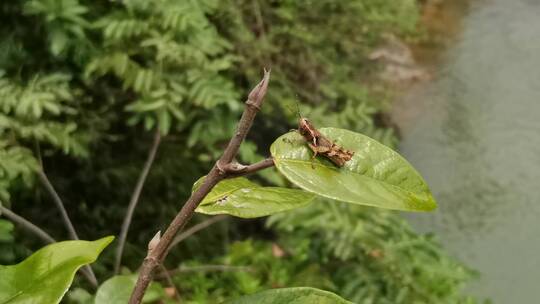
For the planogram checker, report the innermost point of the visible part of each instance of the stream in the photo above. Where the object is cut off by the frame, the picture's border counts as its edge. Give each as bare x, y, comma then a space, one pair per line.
474, 133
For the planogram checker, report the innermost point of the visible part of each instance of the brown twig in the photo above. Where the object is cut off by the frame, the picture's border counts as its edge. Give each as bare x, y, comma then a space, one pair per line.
59, 204
259, 19
17, 219
65, 217
169, 280
216, 174
135, 199
21, 221
196, 228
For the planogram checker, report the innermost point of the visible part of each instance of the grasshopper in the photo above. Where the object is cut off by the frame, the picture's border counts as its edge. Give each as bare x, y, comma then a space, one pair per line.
319, 144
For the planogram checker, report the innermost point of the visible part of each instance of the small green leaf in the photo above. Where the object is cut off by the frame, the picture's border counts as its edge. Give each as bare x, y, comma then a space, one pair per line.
58, 41
295, 295
117, 290
46, 275
80, 296
164, 121
375, 176
242, 198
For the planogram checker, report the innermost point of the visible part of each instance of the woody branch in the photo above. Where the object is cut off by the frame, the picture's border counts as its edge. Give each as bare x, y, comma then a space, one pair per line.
225, 167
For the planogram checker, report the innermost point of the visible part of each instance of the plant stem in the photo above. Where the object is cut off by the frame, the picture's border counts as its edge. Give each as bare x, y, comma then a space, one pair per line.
156, 256
135, 199
204, 268
169, 280
59, 204
65, 217
17, 219
196, 228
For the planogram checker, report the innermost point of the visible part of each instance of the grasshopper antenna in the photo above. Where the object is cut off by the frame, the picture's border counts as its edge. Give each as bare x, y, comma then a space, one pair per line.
298, 107
296, 111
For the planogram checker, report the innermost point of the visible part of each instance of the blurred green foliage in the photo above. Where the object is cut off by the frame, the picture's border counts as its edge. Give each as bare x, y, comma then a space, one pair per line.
84, 84
354, 243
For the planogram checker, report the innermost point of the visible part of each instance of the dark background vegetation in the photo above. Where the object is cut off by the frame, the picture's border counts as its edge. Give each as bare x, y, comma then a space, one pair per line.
84, 86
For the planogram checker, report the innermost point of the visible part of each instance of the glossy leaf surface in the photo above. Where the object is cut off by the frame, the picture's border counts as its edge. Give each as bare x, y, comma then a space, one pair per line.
46, 275
375, 176
296, 295
243, 198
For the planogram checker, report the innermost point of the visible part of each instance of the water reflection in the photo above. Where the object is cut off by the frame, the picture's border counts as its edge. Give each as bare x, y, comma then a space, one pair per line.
476, 140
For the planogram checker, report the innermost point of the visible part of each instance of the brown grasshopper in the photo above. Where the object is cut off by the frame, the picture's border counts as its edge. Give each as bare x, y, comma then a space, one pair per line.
319, 144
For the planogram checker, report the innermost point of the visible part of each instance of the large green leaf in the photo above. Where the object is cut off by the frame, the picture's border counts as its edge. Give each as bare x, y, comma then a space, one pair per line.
242, 198
117, 290
295, 295
46, 275
375, 176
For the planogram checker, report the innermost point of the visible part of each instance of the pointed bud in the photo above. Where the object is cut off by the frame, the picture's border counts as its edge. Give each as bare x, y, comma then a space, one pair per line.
236, 166
153, 242
256, 95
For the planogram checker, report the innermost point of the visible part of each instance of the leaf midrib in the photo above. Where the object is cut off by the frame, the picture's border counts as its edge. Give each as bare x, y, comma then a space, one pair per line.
210, 199
293, 160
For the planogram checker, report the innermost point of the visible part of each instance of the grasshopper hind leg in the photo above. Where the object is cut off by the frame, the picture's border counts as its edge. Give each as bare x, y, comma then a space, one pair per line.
323, 150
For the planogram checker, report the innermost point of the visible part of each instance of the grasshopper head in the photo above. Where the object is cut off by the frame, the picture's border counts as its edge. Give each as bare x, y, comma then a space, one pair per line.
303, 125
305, 128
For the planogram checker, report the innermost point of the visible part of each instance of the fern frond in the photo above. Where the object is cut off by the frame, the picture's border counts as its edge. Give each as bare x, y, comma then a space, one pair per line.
15, 163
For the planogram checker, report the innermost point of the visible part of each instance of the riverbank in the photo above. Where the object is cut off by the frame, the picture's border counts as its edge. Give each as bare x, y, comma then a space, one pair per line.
408, 66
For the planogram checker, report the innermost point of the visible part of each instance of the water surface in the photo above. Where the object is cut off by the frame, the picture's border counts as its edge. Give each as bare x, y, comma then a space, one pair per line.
474, 134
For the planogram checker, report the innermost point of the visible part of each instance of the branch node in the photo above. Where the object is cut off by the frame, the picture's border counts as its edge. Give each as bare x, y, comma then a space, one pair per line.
231, 168
222, 170
150, 259
235, 167
253, 103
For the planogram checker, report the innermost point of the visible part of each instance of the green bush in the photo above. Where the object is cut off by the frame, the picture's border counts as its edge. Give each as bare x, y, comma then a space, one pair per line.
373, 256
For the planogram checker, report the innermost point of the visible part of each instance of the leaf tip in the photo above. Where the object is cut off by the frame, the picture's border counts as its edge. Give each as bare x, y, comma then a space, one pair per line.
429, 206
105, 241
